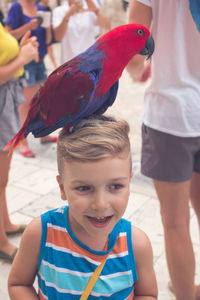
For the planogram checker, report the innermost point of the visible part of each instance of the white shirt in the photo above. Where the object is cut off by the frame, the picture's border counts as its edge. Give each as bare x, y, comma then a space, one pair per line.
81, 30
172, 102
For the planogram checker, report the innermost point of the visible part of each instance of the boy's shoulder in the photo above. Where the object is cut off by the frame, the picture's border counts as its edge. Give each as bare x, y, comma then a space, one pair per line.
141, 243
54, 216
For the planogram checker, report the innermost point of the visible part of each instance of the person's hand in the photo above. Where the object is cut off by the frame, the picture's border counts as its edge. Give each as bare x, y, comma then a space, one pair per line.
33, 24
146, 74
92, 6
28, 48
75, 7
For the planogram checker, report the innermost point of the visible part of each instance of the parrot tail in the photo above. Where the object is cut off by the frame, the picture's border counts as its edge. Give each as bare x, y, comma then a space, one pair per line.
23, 132
16, 141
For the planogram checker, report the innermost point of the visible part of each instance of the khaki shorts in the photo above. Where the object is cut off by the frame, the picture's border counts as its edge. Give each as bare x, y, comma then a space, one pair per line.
11, 96
166, 157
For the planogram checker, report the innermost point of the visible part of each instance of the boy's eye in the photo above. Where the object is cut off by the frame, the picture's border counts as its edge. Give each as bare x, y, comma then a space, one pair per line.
116, 186
82, 188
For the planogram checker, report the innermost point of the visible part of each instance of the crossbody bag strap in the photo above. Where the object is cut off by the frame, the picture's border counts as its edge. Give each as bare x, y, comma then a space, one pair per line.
92, 281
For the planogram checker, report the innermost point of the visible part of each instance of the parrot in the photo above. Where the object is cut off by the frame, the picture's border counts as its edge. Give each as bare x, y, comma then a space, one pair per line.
85, 85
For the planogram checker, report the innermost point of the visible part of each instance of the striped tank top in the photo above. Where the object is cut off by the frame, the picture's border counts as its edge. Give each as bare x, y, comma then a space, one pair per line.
66, 265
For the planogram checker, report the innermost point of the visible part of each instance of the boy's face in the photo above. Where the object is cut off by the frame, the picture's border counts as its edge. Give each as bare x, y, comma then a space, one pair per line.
97, 193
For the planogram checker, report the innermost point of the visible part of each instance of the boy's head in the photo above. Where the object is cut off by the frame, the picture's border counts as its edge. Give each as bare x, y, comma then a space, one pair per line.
93, 139
94, 164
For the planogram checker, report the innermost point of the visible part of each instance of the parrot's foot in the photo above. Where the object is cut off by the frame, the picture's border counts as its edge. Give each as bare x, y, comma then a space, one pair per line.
48, 139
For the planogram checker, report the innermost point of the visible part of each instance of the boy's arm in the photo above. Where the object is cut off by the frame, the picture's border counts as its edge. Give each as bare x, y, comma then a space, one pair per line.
24, 267
141, 14
145, 286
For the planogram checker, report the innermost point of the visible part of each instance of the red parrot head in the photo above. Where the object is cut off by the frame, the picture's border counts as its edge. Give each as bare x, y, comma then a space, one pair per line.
120, 45
125, 41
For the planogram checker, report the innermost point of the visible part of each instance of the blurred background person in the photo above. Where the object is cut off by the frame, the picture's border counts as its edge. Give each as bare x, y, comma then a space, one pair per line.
77, 24
22, 16
12, 59
45, 5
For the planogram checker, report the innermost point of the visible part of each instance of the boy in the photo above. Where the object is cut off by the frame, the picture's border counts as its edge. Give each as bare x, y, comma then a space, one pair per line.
64, 246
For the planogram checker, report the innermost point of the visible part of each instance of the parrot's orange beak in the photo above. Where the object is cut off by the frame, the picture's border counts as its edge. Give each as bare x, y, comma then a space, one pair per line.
149, 47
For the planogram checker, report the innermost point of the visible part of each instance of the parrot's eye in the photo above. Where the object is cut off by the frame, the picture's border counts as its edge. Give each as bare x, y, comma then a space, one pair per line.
140, 32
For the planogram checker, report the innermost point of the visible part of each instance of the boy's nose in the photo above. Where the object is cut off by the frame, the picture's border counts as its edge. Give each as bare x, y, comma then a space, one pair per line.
100, 201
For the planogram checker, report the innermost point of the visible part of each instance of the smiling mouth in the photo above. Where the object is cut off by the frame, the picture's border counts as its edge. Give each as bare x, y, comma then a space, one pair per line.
100, 221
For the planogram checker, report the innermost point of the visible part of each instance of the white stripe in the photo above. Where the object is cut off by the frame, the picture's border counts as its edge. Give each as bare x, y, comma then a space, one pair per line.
61, 209
122, 234
56, 227
65, 270
121, 254
118, 274
50, 245
100, 294
62, 249
70, 291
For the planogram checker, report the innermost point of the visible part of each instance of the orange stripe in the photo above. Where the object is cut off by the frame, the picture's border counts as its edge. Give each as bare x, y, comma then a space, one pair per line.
41, 297
63, 239
131, 296
120, 246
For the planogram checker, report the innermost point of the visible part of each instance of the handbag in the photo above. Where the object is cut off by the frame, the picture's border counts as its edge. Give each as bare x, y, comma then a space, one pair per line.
92, 281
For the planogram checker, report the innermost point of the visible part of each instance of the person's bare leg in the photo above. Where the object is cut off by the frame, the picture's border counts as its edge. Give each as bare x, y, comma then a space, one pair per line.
29, 92
5, 222
174, 205
195, 200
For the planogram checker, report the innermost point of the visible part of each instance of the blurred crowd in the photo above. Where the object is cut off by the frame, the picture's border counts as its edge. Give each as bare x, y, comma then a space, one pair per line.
27, 32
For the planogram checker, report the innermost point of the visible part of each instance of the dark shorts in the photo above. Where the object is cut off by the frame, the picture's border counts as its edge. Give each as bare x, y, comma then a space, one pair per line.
166, 157
35, 73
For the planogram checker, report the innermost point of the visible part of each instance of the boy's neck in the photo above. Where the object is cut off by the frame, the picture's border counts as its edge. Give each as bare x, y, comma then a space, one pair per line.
96, 244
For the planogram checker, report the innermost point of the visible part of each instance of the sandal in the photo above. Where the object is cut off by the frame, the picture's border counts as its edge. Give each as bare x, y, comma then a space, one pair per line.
28, 153
21, 229
8, 257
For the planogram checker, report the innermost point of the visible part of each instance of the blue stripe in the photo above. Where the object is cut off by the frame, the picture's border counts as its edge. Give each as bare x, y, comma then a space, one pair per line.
64, 280
113, 285
78, 283
80, 264
130, 250
60, 259
54, 295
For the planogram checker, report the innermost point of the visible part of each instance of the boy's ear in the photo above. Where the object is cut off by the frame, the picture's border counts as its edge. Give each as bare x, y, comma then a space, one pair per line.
62, 191
132, 174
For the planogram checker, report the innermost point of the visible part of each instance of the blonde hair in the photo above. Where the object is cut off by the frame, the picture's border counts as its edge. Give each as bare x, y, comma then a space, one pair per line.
93, 139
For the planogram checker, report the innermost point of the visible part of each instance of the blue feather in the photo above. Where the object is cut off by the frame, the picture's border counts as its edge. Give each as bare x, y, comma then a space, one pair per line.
91, 59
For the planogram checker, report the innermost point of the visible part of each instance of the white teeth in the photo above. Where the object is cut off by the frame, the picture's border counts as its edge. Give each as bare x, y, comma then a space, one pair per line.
100, 218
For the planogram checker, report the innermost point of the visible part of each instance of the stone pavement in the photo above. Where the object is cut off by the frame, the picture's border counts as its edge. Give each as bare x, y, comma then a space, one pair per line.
33, 188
